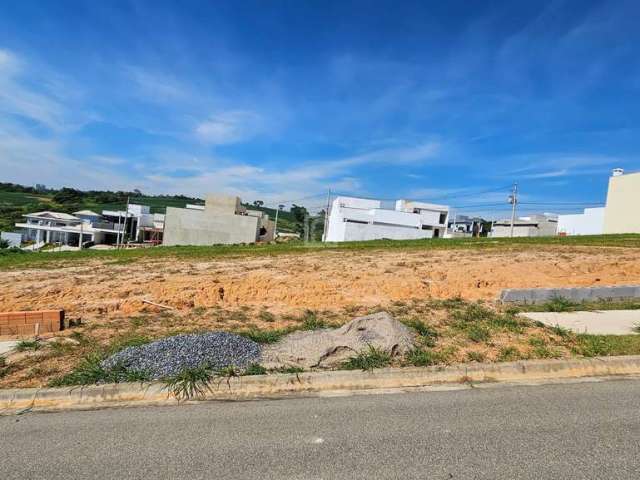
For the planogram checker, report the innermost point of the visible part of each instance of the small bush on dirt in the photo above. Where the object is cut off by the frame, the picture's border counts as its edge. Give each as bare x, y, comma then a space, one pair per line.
537, 342
478, 333
267, 316
87, 372
368, 360
427, 333
264, 336
255, 369
542, 351
559, 304
419, 357
561, 331
476, 356
310, 321
190, 383
509, 354
24, 345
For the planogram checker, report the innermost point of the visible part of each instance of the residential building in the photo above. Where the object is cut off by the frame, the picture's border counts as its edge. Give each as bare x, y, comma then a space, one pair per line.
590, 222
465, 226
623, 199
222, 220
86, 226
532, 226
352, 219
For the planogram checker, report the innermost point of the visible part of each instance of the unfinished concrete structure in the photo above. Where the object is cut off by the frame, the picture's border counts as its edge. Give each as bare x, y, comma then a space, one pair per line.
222, 220
530, 226
353, 219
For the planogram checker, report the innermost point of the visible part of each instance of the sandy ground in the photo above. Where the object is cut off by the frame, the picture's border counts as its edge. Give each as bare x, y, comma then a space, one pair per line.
324, 280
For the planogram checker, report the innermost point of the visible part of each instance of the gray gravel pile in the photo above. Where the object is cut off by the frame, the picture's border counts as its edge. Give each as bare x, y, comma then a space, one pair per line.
170, 355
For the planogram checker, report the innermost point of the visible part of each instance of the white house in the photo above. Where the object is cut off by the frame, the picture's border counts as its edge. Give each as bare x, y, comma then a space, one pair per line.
87, 226
352, 219
532, 226
591, 222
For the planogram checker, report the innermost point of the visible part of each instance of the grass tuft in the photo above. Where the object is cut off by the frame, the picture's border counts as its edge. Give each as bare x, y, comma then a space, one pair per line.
24, 345
368, 360
190, 383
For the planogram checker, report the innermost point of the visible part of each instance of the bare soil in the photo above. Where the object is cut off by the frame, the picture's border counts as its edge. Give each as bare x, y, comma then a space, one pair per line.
274, 292
324, 280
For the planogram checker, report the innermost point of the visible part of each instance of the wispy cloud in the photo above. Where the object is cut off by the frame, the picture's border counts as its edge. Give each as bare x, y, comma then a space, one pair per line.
230, 127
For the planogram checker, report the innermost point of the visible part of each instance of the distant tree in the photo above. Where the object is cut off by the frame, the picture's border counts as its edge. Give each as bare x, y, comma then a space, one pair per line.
68, 195
4, 243
137, 192
299, 213
258, 203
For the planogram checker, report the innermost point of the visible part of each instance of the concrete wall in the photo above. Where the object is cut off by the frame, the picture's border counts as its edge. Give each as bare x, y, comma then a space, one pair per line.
201, 227
359, 232
622, 213
591, 222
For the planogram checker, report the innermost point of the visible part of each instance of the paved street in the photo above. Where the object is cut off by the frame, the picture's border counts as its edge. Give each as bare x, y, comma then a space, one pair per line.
570, 431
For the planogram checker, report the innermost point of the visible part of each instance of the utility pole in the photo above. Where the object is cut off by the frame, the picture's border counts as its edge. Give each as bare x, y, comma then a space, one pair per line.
513, 200
326, 216
275, 226
126, 216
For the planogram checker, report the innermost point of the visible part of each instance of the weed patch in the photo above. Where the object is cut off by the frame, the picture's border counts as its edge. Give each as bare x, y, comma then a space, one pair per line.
24, 345
368, 360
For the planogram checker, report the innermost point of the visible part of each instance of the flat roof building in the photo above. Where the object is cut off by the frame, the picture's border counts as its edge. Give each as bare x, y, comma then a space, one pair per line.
353, 219
621, 214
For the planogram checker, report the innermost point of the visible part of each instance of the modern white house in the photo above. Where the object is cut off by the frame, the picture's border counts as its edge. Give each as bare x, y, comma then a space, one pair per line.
354, 219
86, 226
539, 225
590, 222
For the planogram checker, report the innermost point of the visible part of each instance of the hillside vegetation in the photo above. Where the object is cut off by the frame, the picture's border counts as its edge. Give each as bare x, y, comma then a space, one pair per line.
18, 200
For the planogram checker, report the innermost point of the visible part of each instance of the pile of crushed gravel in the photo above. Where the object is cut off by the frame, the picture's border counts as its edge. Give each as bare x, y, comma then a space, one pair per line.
170, 355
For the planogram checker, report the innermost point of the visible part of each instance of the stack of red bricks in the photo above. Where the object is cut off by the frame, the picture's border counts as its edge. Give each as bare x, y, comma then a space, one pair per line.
31, 323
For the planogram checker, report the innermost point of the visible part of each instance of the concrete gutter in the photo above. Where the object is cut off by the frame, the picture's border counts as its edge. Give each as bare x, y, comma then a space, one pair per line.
316, 383
577, 294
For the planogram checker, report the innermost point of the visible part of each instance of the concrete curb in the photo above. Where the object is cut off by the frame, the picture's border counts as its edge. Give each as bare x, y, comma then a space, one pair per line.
577, 294
282, 385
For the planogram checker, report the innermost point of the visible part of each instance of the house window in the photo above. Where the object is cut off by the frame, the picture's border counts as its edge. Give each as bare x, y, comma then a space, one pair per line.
443, 218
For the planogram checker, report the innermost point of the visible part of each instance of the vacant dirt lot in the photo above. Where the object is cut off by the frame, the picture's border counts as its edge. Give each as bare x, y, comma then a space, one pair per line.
326, 280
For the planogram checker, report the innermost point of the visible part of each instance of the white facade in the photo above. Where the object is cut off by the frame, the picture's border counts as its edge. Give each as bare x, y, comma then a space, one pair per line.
87, 226
356, 219
591, 222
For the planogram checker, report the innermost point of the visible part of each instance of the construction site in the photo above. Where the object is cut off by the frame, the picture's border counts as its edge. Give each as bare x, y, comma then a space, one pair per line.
109, 300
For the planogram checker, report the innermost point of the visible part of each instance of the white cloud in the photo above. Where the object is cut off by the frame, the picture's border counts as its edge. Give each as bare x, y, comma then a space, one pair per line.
230, 127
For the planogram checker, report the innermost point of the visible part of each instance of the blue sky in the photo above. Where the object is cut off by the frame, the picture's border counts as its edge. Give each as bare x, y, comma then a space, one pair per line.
283, 100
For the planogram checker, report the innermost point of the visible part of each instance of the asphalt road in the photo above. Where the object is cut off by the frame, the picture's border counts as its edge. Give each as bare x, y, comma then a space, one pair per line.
570, 431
